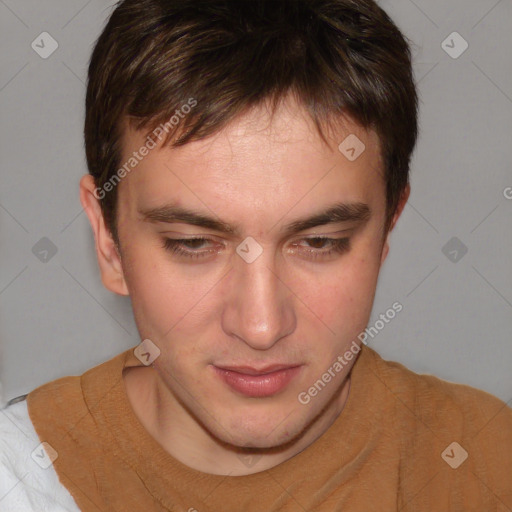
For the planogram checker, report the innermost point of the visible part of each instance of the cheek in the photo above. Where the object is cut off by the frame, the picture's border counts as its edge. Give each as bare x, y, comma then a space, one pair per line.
154, 289
167, 299
343, 298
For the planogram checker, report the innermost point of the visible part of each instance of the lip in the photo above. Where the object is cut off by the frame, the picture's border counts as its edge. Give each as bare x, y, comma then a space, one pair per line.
249, 370
257, 383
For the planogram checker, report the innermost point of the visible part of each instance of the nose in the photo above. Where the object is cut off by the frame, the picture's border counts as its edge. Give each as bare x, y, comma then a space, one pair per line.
259, 307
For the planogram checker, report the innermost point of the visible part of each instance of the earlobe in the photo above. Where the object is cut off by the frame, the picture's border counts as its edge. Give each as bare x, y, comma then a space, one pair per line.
399, 209
385, 250
109, 260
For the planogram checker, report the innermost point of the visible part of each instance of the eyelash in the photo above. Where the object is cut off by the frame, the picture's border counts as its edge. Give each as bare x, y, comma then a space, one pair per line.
175, 246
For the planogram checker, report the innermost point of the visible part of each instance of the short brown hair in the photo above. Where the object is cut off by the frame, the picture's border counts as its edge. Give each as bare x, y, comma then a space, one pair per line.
337, 57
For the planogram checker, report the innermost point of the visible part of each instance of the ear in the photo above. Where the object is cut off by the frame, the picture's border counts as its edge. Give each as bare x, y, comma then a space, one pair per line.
400, 206
109, 259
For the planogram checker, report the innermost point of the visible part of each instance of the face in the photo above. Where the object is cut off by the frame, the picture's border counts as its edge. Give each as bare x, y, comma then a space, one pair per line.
250, 308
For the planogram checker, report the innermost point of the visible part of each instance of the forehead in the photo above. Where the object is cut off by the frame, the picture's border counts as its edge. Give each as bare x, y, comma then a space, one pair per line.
289, 124
257, 159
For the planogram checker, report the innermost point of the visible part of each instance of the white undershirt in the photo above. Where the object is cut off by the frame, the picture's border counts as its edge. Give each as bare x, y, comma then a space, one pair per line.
25, 485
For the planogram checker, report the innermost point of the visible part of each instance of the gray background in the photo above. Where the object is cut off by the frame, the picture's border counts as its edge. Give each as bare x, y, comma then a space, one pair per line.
56, 318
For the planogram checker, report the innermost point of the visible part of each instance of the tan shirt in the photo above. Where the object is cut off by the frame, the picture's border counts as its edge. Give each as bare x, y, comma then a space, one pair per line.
399, 444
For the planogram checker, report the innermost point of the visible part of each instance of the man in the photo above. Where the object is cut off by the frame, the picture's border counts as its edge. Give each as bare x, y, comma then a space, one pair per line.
248, 161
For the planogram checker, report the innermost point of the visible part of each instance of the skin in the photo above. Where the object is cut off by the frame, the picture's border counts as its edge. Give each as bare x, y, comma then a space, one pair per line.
285, 307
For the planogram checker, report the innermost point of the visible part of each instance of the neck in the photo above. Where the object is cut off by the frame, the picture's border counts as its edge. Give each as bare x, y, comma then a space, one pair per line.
183, 437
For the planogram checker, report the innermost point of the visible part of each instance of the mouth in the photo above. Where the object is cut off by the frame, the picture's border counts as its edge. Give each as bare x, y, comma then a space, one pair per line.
257, 383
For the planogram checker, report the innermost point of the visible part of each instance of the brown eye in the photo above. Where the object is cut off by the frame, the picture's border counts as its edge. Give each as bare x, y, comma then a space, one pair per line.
322, 247
187, 247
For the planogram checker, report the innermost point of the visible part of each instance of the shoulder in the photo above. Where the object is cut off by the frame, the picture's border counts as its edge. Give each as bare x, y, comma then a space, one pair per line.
442, 404
28, 480
456, 434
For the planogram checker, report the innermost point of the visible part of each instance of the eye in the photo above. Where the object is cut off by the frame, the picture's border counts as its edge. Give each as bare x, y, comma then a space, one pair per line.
187, 247
319, 247
322, 247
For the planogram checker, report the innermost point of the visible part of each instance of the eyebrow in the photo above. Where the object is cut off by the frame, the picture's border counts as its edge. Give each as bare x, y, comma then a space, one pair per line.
338, 212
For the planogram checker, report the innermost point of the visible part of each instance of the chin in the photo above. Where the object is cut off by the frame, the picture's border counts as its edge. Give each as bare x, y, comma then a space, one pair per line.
263, 432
